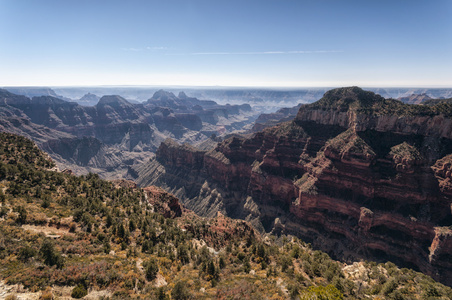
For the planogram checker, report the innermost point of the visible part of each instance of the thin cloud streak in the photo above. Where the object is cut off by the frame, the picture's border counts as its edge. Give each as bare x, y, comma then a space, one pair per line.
132, 49
156, 48
259, 53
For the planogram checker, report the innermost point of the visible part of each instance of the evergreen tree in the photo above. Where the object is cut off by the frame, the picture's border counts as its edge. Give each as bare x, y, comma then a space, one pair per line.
22, 217
180, 291
151, 269
49, 254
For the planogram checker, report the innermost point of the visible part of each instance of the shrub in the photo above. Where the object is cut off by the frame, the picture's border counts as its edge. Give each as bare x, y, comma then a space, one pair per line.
261, 253
2, 195
322, 292
246, 267
72, 227
22, 217
160, 294
293, 291
25, 253
389, 286
108, 221
3, 211
241, 256
296, 252
49, 254
132, 226
180, 291
79, 291
45, 202
430, 291
47, 294
222, 262
285, 262
182, 254
106, 247
212, 271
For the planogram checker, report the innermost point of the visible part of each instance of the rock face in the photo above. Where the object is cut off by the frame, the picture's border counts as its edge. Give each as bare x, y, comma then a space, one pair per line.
163, 202
357, 175
114, 132
113, 117
280, 116
89, 99
415, 98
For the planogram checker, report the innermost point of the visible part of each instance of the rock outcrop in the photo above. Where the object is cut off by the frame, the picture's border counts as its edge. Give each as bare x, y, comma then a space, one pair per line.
357, 175
114, 132
88, 99
415, 98
280, 116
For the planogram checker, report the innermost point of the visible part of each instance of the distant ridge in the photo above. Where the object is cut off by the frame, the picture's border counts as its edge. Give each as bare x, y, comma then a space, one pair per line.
114, 134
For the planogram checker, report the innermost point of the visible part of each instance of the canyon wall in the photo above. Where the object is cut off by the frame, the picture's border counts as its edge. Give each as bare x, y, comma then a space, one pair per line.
357, 175
108, 137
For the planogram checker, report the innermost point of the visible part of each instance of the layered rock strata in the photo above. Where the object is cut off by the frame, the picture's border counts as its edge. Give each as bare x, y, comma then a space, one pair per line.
357, 175
115, 133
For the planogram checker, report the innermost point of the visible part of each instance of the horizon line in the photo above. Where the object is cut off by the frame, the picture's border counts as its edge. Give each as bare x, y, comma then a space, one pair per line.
227, 86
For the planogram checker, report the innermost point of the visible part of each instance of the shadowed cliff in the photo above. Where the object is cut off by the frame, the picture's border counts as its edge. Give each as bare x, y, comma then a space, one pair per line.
358, 175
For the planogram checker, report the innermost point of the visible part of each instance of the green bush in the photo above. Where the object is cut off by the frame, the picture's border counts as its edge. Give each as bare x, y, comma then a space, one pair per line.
25, 253
296, 252
45, 202
246, 267
79, 291
49, 254
180, 291
182, 254
389, 286
22, 217
328, 292
3, 211
285, 262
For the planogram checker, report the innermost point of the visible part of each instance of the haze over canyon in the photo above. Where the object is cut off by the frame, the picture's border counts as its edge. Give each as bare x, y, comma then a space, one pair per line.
357, 175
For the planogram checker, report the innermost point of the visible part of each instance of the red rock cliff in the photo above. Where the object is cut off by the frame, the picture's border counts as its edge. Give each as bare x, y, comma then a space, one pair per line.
357, 175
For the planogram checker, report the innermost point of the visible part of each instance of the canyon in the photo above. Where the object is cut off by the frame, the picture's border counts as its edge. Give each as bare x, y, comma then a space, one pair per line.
356, 175
114, 134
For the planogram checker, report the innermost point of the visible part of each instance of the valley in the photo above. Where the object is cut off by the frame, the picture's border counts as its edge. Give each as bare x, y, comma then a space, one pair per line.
114, 134
230, 150
65, 236
355, 174
358, 176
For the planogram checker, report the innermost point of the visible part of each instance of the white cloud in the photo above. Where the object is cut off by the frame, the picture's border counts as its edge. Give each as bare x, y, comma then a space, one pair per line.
161, 48
156, 48
132, 49
260, 53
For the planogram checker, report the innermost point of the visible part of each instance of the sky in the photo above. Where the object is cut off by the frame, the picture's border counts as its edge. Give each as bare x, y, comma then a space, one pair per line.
260, 43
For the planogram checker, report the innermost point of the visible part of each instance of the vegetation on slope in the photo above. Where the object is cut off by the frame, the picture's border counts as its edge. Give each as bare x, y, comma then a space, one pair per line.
365, 102
59, 230
349, 142
437, 101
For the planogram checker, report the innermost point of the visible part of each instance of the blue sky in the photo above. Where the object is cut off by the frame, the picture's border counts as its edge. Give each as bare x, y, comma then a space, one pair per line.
226, 43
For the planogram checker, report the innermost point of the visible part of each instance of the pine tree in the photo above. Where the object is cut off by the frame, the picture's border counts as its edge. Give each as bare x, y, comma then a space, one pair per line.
151, 269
